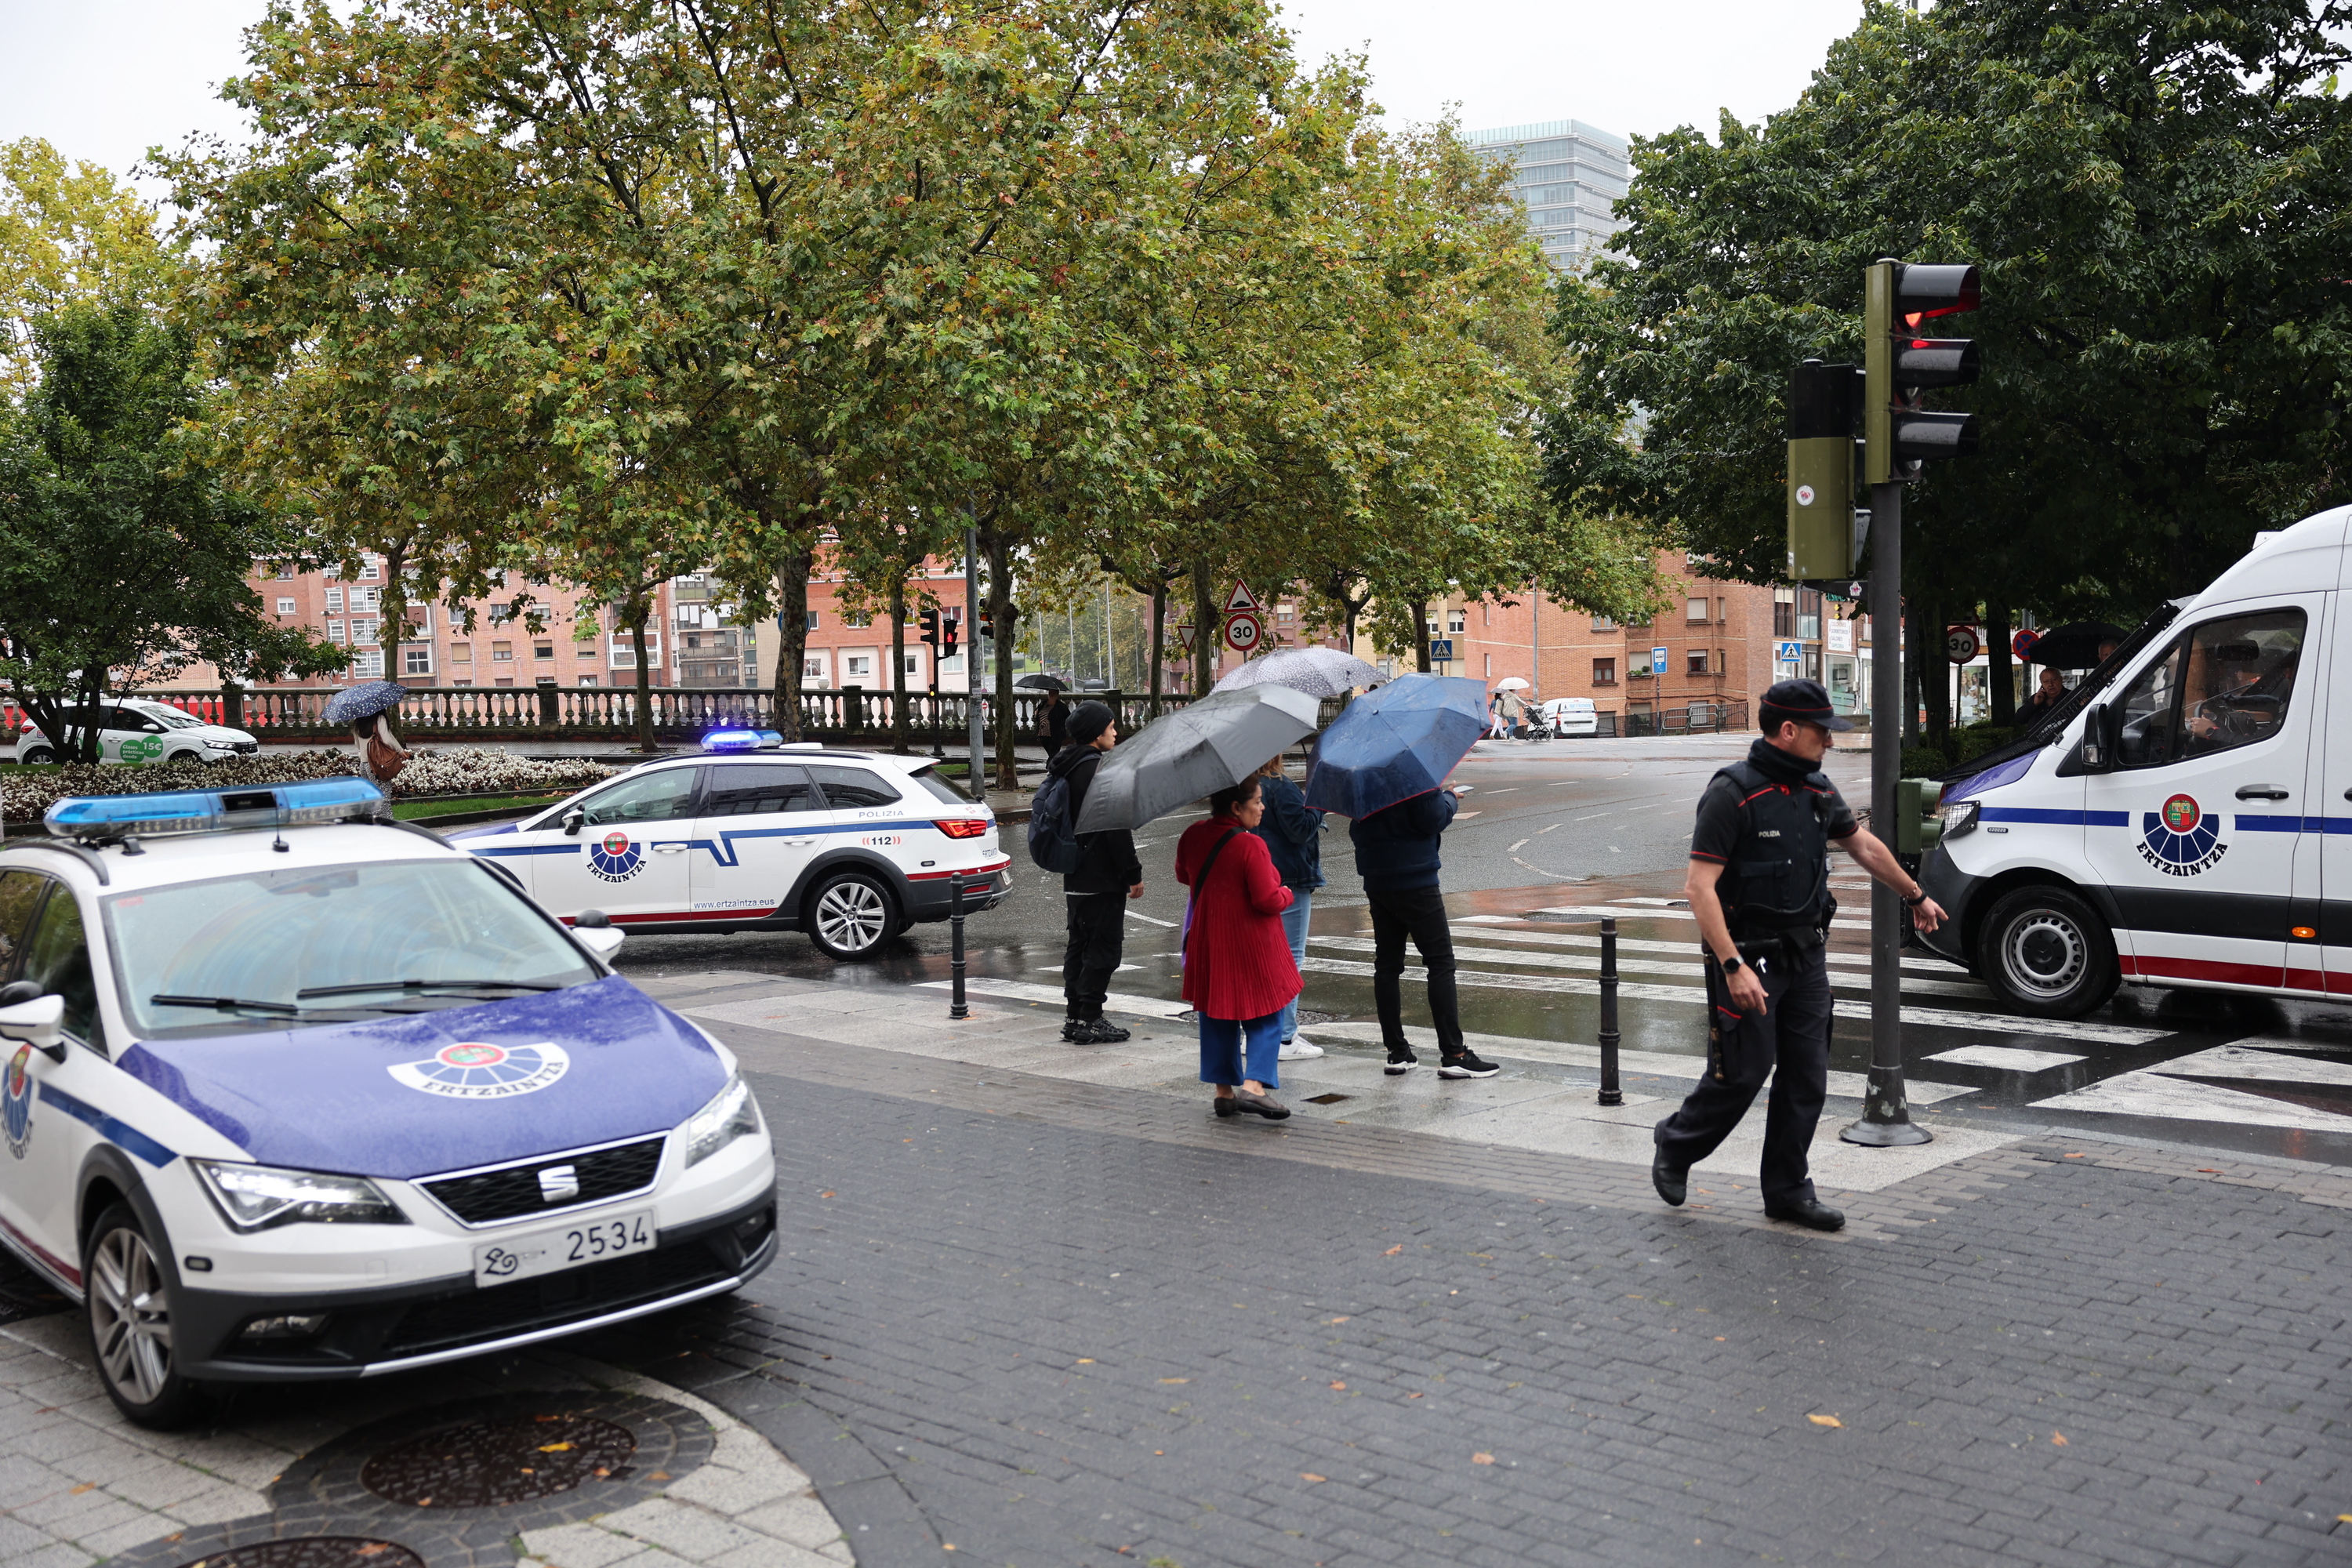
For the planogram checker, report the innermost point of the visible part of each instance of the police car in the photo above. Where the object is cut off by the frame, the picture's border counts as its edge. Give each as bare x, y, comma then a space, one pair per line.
2184, 820
293, 1091
754, 835
136, 731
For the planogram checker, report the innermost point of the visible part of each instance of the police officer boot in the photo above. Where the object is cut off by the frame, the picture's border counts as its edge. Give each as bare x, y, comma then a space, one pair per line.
1811, 1213
1671, 1181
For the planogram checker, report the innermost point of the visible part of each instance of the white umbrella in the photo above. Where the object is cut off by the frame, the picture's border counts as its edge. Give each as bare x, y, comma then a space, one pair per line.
1316, 671
1511, 683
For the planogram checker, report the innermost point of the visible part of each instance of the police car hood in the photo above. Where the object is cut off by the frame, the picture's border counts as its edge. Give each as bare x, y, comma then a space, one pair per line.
411, 1096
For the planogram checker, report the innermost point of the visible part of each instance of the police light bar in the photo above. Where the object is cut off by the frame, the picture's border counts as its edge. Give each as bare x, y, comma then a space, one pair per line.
216, 810
740, 739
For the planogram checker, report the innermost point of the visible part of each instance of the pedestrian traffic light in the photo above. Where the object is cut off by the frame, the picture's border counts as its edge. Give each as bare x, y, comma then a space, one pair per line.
929, 621
1820, 471
987, 625
950, 626
1898, 435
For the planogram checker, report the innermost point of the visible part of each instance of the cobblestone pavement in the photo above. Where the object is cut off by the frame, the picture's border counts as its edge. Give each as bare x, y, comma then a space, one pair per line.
1051, 1322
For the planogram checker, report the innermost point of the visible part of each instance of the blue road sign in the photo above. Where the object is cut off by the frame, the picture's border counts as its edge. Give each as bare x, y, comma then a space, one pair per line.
1789, 652
1441, 648
1657, 661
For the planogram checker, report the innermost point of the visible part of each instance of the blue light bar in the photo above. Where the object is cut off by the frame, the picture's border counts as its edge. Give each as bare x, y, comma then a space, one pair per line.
740, 739
216, 810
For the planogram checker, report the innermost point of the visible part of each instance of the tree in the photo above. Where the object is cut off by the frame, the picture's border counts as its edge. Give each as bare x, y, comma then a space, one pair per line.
122, 560
67, 235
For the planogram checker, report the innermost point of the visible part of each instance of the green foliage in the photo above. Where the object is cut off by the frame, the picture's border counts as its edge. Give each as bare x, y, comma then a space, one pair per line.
67, 235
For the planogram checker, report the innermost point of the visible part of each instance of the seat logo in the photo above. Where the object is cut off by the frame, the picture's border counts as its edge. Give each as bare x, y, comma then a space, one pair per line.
2179, 840
558, 1185
17, 1101
473, 1069
614, 858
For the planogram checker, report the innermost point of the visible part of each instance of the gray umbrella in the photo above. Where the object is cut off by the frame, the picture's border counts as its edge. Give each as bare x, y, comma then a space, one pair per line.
364, 702
1316, 671
1173, 761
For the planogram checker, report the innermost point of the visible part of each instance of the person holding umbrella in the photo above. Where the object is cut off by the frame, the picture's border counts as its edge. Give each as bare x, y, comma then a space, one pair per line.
1108, 873
1054, 722
1293, 836
1238, 972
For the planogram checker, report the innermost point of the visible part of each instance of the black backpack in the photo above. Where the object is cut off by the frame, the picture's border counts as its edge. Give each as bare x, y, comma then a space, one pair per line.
1053, 842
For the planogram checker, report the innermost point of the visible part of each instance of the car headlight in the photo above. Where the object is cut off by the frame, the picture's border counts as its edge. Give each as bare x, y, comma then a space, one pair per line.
1960, 817
258, 1197
729, 1115
220, 745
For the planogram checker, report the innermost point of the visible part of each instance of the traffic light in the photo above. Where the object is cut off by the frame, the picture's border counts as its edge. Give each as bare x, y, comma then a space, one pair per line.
950, 625
1898, 435
929, 621
987, 625
1820, 470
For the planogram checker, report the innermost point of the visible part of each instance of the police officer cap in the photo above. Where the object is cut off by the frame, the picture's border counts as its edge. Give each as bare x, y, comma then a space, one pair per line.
1803, 700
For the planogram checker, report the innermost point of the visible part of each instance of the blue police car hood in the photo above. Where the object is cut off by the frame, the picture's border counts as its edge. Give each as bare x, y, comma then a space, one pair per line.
448, 1090
490, 832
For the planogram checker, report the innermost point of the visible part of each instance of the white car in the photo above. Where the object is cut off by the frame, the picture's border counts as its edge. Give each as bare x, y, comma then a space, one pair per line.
133, 729
290, 1091
850, 847
1572, 716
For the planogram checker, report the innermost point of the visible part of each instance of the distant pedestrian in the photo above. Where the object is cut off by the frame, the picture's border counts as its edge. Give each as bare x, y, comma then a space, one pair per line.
1054, 723
1509, 705
1759, 886
1396, 854
2048, 695
1098, 891
1238, 972
1293, 836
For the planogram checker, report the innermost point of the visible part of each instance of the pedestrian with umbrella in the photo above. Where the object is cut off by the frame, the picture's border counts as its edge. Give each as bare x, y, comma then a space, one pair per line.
1384, 766
1107, 876
1238, 972
1292, 836
368, 710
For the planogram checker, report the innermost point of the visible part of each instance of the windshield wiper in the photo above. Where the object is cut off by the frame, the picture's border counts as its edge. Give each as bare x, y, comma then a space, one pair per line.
309, 990
225, 1004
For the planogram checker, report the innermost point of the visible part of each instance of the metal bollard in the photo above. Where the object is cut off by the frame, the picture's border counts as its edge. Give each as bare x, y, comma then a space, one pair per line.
956, 1007
1610, 1093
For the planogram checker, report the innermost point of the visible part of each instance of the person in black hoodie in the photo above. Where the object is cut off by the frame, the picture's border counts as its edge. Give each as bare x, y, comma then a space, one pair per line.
1098, 891
1396, 854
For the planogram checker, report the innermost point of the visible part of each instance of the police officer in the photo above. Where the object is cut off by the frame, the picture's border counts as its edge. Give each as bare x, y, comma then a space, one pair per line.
1759, 884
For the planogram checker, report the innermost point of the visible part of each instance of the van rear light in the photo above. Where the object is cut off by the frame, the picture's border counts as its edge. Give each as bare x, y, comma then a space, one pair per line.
963, 826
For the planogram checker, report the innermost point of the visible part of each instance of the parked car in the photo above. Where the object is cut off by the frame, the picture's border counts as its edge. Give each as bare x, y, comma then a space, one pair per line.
138, 731
1572, 716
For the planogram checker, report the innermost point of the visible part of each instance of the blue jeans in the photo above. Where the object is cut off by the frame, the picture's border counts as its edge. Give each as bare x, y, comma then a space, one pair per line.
1294, 926
1222, 1050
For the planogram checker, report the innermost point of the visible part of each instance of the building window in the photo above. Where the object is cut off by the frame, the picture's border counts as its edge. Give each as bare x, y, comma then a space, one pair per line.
1603, 623
416, 661
1490, 666
545, 650
813, 669
502, 653
334, 600
812, 620
501, 612
1284, 612
466, 683
1809, 614
367, 569
1457, 621
365, 629
587, 681
368, 665
1695, 662
286, 574
365, 598
915, 666
1605, 673
857, 667
503, 680
461, 653
1695, 609
334, 631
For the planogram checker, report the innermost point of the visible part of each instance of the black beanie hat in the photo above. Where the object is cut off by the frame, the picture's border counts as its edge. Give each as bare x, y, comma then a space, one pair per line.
1088, 719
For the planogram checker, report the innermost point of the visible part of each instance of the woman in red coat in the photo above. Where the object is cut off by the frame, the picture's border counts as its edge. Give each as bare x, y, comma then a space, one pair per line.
1238, 973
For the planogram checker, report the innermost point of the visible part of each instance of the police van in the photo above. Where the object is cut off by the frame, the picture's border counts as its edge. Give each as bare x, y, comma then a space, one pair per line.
2184, 818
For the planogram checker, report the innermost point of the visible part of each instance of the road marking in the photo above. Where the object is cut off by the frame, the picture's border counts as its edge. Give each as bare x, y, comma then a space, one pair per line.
1513, 790
1637, 944
1685, 968
1590, 911
1542, 831
1594, 817
1028, 991
2152, 1094
1515, 848
2007, 1058
1150, 919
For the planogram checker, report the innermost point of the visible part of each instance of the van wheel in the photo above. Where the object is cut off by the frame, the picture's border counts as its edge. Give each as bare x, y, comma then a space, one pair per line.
130, 1305
2046, 952
850, 915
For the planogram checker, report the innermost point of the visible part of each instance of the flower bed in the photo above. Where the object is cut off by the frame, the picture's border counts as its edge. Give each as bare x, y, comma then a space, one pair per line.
454, 769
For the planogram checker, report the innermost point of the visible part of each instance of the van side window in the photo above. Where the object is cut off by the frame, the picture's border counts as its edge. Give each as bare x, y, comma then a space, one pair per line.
58, 958
2226, 684
2145, 741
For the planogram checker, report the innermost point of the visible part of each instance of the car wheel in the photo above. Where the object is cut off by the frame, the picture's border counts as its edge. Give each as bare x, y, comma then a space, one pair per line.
850, 915
2047, 953
130, 1303
39, 754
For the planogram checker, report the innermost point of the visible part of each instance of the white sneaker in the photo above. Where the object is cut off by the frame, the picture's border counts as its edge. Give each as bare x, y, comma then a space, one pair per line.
1297, 1050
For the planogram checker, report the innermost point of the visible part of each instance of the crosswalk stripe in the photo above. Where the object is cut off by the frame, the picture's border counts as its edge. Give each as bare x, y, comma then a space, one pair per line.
1685, 970
1624, 912
1490, 930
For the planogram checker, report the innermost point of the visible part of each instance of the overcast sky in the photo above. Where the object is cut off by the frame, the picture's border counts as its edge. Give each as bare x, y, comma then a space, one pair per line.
105, 80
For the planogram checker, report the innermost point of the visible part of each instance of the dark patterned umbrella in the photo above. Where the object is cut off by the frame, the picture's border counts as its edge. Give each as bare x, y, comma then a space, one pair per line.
364, 702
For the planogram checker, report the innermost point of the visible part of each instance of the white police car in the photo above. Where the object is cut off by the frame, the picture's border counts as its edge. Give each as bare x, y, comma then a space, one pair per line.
135, 731
749, 835
291, 1091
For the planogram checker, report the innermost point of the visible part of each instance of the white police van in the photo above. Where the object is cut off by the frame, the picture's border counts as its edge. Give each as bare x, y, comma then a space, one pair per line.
136, 731
2184, 818
753, 835
292, 1091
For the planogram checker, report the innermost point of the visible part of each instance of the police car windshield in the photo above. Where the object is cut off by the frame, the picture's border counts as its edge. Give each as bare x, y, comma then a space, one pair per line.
282, 944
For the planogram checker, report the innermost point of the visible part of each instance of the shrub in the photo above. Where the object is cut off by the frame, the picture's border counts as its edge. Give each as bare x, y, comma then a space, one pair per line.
468, 770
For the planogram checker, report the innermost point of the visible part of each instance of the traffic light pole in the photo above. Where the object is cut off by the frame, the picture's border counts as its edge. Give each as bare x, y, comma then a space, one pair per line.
1885, 1110
971, 779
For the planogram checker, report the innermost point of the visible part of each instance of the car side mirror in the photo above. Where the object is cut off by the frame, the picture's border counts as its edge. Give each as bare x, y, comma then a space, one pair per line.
39, 1023
595, 931
571, 820
591, 919
2099, 739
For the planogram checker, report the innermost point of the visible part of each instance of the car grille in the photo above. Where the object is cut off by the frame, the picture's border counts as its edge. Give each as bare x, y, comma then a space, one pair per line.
515, 1192
555, 1299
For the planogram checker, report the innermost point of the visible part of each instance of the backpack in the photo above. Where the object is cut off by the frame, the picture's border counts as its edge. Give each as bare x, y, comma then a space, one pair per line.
1052, 842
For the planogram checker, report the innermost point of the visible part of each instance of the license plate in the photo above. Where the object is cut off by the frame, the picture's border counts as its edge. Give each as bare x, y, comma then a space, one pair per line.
550, 1251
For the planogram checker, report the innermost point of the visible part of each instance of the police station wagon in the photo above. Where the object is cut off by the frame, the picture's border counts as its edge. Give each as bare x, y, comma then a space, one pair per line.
850, 847
290, 1091
2186, 820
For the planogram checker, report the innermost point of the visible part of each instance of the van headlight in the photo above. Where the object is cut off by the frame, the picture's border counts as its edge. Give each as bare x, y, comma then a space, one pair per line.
260, 1198
731, 1114
1960, 817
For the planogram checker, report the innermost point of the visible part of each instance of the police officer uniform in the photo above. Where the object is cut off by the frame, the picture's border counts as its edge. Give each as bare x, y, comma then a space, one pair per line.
1769, 820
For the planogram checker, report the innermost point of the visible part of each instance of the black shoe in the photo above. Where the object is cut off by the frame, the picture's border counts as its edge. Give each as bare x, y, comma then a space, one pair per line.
1075, 1031
1467, 1065
1103, 1032
1811, 1213
1263, 1105
1671, 1181
1225, 1106
1401, 1061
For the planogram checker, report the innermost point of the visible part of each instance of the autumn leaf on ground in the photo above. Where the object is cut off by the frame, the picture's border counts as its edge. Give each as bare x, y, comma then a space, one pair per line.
1393, 1251
1175, 1380
2058, 1438
1340, 1387
825, 1195
1310, 1476
1481, 1459
1338, 1320
555, 1447
1824, 1420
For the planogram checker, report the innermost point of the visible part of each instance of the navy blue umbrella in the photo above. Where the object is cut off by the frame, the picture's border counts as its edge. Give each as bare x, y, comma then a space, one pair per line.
1396, 742
364, 702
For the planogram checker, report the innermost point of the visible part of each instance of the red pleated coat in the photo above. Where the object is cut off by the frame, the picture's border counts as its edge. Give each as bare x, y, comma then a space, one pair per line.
1236, 960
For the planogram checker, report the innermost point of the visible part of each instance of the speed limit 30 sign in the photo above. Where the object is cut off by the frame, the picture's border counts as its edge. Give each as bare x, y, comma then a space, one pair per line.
1961, 644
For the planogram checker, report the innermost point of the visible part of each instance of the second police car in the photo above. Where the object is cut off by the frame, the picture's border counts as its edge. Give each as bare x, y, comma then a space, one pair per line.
751, 835
291, 1091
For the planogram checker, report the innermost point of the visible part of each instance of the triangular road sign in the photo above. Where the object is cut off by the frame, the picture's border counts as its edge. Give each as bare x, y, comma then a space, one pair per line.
1183, 635
1239, 599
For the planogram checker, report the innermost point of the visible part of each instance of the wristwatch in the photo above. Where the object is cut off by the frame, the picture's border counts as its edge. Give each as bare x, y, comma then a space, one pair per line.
1733, 964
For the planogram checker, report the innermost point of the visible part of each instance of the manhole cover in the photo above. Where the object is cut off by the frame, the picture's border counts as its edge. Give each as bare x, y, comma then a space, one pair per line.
314, 1551
483, 1464
1326, 1099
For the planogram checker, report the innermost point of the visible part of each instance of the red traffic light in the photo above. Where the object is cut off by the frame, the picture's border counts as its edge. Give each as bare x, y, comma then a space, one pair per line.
1921, 291
949, 626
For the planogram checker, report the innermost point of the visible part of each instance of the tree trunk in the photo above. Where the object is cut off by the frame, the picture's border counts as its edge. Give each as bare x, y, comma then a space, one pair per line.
1204, 628
2001, 683
1158, 639
640, 611
898, 666
1002, 626
792, 640
1420, 636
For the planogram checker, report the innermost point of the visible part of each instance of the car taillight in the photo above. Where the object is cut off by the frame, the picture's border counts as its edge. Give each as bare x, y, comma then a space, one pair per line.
963, 826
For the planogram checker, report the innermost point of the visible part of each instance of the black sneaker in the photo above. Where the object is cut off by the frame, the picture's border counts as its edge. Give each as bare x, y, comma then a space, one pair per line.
1103, 1032
1467, 1065
1075, 1030
1401, 1061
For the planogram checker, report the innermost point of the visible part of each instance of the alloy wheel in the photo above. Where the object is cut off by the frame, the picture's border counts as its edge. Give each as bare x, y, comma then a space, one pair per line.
130, 1316
852, 916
